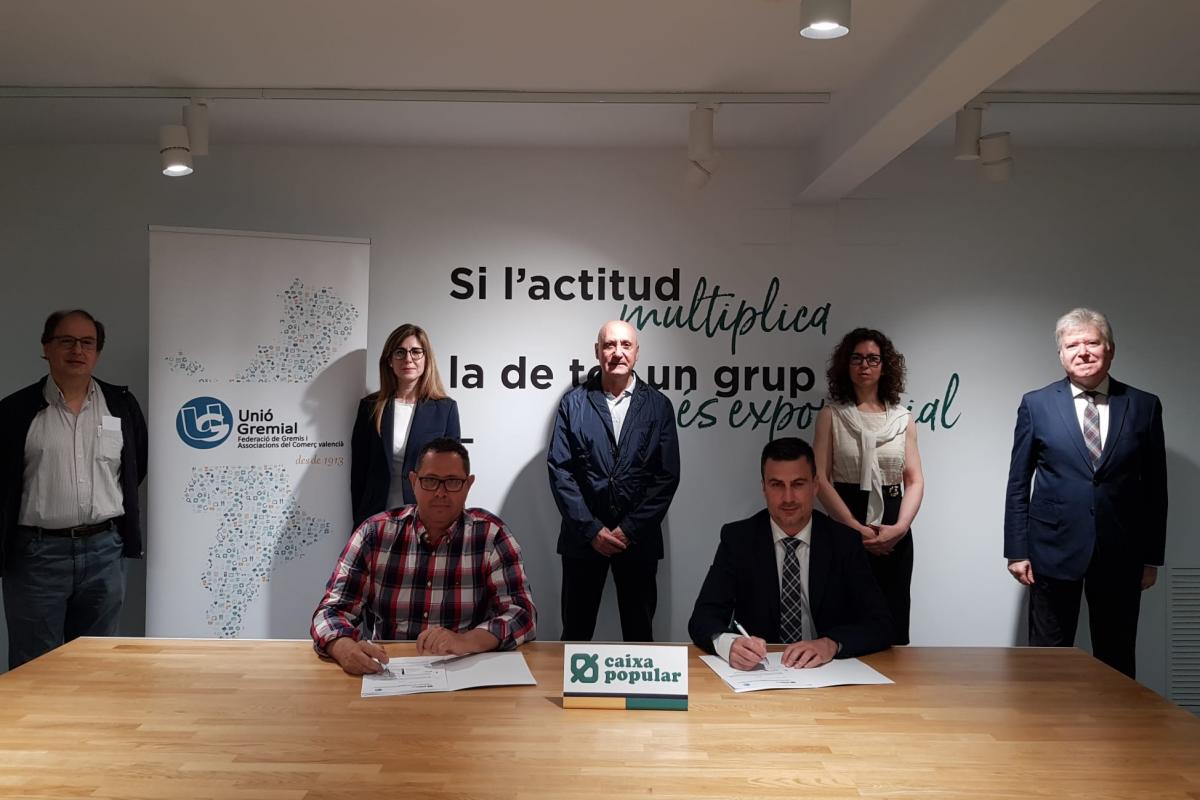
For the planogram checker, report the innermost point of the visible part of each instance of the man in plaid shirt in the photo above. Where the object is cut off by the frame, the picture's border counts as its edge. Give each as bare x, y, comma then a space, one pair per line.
448, 576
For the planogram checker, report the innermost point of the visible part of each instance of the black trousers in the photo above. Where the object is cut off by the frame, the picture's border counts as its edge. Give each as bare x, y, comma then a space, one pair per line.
1113, 585
893, 572
583, 581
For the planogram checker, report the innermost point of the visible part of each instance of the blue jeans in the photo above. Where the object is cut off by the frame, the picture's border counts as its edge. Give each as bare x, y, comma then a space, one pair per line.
57, 588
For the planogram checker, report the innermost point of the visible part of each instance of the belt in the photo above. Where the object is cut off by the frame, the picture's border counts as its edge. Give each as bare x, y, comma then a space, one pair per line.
79, 531
888, 489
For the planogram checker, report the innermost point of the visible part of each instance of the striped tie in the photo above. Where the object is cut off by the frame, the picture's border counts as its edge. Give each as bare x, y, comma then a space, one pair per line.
1091, 428
791, 624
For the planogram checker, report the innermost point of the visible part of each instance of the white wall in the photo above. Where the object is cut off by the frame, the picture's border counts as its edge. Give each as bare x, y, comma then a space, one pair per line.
966, 278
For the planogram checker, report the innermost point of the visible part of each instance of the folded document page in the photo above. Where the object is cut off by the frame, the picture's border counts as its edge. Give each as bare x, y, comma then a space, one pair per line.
420, 674
774, 675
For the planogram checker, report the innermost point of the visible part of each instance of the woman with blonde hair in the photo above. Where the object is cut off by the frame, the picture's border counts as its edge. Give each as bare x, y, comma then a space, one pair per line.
868, 466
394, 424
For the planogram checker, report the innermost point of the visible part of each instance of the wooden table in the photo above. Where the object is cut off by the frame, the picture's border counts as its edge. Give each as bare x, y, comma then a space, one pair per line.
155, 718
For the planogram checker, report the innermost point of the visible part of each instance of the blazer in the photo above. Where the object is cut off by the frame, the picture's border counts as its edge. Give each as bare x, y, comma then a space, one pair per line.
1121, 504
371, 451
598, 482
17, 412
743, 584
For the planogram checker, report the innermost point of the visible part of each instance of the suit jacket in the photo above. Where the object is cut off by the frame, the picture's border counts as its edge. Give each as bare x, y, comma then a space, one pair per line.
600, 483
1121, 505
743, 584
371, 451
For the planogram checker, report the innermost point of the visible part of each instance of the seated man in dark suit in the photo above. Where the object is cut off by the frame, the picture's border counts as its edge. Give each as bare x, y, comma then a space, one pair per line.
789, 575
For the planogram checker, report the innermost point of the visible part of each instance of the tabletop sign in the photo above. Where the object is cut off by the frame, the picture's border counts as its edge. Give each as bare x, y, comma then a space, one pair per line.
625, 676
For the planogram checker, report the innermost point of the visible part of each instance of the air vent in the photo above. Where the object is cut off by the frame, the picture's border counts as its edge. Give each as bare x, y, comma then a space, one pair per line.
1183, 615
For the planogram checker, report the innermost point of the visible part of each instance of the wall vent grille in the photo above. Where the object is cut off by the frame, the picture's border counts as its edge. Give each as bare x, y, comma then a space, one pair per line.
1183, 636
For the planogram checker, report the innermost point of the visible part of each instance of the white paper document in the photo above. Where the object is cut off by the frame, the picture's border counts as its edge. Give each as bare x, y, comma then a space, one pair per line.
774, 675
420, 674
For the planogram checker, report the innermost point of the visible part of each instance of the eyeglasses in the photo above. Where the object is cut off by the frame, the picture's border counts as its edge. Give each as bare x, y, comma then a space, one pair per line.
69, 342
871, 359
431, 484
415, 353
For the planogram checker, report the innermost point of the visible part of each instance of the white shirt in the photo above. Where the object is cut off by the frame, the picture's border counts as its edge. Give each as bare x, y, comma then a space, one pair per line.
72, 472
618, 406
722, 642
1077, 392
402, 414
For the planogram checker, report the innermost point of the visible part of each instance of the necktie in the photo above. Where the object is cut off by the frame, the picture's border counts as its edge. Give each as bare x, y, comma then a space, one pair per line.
791, 625
1091, 428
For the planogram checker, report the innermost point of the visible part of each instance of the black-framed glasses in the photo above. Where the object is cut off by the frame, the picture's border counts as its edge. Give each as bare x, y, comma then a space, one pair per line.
870, 359
401, 353
432, 484
69, 342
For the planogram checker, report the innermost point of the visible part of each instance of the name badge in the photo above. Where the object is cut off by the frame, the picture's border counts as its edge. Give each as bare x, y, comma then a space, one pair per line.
108, 423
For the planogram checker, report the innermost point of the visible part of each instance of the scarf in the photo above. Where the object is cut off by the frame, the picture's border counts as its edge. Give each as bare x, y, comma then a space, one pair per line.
870, 479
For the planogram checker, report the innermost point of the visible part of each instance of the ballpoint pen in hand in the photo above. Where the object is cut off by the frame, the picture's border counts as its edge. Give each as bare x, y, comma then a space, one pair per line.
743, 632
382, 664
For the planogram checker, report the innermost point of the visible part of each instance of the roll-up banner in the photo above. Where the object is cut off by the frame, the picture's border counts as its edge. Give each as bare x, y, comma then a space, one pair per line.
257, 358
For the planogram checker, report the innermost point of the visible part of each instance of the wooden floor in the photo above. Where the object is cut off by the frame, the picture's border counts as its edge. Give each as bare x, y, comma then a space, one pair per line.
145, 718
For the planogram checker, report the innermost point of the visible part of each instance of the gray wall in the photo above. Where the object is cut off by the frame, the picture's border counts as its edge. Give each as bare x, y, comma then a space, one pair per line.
966, 278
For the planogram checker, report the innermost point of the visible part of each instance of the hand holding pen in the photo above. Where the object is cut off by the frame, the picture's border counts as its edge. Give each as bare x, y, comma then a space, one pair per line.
747, 652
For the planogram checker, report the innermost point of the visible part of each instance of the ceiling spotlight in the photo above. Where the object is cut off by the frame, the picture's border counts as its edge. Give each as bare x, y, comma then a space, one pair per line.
995, 146
996, 171
824, 19
697, 175
968, 124
173, 147
995, 157
178, 143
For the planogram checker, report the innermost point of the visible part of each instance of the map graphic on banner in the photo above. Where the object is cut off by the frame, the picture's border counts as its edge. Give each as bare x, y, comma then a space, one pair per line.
314, 325
261, 524
250, 416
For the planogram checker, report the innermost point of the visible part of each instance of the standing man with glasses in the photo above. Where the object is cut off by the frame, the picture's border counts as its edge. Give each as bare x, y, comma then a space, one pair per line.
614, 468
1096, 519
448, 576
74, 454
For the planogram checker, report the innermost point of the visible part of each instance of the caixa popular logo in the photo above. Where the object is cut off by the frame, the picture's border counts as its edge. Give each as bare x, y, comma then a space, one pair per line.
204, 422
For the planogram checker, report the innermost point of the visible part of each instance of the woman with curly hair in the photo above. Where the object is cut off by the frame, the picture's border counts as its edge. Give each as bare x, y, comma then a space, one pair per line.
868, 467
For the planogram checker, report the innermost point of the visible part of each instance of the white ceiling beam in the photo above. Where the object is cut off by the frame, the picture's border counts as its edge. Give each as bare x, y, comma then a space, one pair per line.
415, 95
1093, 98
950, 54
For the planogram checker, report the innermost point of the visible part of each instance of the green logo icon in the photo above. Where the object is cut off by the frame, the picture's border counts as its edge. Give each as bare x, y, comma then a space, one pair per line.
585, 668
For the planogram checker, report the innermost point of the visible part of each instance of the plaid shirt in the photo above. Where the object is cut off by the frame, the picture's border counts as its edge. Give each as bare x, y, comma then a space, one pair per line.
391, 581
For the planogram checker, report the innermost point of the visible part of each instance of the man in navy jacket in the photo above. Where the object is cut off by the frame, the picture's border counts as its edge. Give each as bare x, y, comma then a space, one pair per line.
614, 467
72, 455
1096, 520
741, 606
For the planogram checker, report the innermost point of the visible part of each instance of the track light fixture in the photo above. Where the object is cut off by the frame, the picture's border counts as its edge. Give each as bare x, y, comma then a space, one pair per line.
178, 143
968, 126
824, 19
993, 151
697, 175
995, 157
195, 119
702, 152
173, 147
